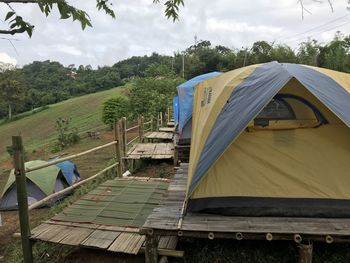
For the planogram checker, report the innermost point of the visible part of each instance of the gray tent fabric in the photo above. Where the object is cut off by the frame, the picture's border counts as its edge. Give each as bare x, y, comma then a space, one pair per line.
253, 94
186, 133
9, 200
328, 91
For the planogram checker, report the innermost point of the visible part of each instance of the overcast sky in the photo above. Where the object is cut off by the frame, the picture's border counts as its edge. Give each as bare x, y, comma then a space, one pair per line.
141, 28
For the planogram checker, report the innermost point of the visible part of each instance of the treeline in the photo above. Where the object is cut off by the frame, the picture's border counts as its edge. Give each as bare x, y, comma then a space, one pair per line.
42, 83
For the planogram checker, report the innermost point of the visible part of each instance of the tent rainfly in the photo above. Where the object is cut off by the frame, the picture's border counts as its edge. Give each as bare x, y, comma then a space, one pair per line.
176, 110
185, 97
271, 140
40, 183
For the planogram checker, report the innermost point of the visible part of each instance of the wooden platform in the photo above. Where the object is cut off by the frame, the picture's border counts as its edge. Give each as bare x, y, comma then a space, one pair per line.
151, 151
161, 136
167, 129
170, 124
108, 217
166, 217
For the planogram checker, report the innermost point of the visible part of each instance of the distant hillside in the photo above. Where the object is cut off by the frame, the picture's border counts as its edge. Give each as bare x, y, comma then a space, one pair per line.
38, 129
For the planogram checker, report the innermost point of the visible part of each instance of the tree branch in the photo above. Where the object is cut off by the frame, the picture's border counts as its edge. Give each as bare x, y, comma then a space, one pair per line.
10, 32
18, 1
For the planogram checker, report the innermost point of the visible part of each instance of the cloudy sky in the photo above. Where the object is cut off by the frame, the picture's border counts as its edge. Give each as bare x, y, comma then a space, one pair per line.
141, 28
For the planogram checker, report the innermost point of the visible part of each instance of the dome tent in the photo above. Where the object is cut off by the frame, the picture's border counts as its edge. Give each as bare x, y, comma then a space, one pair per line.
271, 140
185, 107
40, 183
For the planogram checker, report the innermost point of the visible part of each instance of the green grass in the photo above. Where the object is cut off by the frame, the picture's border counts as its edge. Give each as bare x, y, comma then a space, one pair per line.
38, 130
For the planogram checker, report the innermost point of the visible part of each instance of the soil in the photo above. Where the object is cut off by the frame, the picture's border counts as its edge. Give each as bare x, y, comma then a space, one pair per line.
94, 256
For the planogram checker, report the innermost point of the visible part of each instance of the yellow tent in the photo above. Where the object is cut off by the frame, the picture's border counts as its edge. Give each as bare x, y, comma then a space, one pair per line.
271, 140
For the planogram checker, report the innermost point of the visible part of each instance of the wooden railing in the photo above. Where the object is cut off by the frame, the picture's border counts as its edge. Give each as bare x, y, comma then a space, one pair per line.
121, 145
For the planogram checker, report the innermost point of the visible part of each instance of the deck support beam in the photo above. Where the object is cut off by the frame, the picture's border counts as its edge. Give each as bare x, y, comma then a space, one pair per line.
305, 253
151, 247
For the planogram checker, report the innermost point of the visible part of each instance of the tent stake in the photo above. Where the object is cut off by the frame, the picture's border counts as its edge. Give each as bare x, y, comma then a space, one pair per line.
22, 198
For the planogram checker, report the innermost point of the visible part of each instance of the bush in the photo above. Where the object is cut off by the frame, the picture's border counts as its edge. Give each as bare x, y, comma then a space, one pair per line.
67, 135
114, 108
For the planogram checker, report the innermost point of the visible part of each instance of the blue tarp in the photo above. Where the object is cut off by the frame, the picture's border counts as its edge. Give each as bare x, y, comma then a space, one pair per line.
186, 92
69, 171
176, 110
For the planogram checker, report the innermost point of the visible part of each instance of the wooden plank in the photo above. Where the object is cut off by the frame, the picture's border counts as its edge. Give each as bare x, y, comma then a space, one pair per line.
100, 239
76, 236
127, 243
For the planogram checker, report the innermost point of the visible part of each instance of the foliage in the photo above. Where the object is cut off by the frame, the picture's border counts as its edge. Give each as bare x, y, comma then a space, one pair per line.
49, 82
18, 25
67, 135
11, 90
153, 93
114, 109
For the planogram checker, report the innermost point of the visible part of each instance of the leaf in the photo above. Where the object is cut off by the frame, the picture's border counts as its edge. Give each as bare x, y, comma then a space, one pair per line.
9, 15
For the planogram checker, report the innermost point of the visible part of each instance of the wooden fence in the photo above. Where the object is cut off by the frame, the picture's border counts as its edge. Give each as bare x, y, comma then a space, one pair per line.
121, 145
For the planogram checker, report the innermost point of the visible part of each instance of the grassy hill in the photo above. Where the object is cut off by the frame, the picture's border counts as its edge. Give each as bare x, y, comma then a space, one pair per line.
38, 129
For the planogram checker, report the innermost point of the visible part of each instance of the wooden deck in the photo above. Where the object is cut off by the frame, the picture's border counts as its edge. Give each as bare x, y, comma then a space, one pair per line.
165, 219
161, 136
167, 129
151, 151
108, 217
170, 124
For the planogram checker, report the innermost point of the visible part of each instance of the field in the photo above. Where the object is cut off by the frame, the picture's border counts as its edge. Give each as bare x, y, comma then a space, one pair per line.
38, 130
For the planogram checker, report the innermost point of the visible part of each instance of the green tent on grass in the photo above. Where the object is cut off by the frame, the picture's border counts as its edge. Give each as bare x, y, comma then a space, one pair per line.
40, 183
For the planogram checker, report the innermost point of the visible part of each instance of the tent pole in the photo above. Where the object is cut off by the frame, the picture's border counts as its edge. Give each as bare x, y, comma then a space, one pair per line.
22, 198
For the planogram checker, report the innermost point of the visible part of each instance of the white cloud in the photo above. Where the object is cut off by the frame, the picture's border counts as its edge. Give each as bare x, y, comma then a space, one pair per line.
5, 58
141, 28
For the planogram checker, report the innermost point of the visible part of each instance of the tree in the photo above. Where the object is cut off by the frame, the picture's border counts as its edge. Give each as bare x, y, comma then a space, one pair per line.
114, 109
18, 25
308, 52
11, 91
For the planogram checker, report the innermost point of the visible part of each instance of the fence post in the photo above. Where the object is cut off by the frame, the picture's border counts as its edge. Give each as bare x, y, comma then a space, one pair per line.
141, 127
168, 115
22, 198
152, 122
125, 140
118, 152
161, 119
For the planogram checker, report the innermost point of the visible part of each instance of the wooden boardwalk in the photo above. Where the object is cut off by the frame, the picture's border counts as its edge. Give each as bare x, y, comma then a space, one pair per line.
167, 129
108, 217
160, 136
151, 151
166, 219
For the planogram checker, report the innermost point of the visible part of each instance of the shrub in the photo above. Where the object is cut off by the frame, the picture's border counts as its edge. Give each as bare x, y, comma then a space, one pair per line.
114, 108
67, 135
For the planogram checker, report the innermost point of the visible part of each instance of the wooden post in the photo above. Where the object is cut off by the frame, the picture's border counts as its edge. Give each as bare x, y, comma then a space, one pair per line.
151, 253
168, 115
141, 127
152, 123
158, 121
161, 119
125, 140
22, 198
118, 147
176, 156
305, 253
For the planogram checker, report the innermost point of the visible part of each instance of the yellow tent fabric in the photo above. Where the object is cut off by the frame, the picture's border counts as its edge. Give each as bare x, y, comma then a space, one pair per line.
304, 161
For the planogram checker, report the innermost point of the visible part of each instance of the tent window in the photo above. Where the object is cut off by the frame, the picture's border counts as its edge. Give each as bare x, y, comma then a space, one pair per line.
277, 109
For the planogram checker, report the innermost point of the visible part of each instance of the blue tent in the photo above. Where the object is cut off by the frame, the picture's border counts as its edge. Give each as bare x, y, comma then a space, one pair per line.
69, 171
176, 110
186, 92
